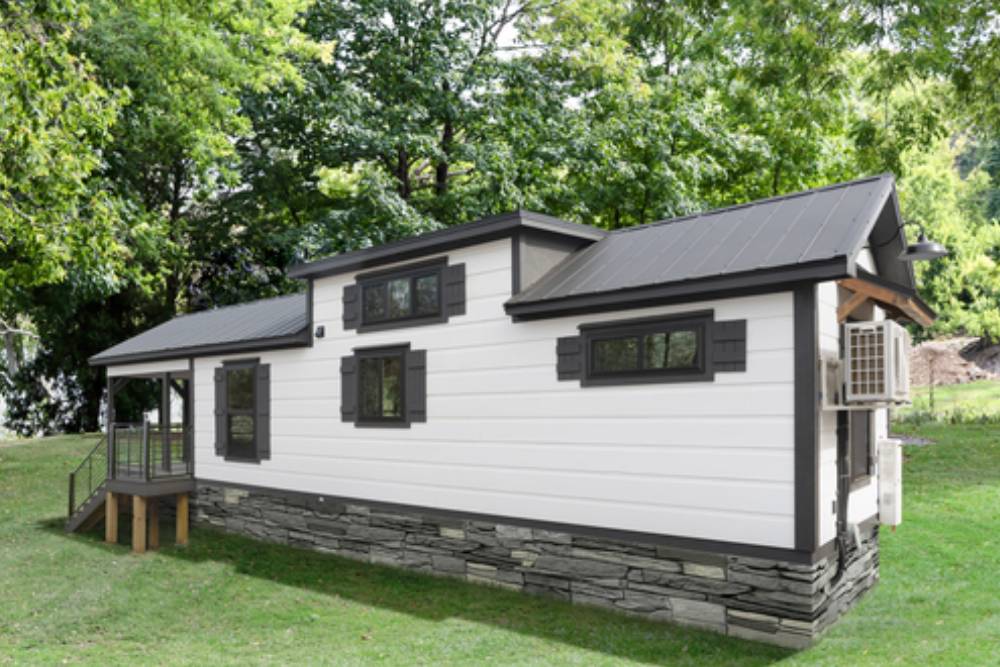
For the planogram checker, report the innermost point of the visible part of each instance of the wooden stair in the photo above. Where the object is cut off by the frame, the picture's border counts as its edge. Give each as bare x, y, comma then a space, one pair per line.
90, 513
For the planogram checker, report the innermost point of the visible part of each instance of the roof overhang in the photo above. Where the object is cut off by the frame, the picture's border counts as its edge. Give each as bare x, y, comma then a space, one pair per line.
300, 339
899, 301
487, 229
712, 287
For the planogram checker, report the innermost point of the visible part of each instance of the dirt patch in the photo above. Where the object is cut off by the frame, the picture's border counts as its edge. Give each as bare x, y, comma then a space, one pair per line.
953, 361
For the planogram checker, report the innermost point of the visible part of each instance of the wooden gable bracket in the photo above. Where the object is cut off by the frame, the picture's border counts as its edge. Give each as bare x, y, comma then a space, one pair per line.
895, 302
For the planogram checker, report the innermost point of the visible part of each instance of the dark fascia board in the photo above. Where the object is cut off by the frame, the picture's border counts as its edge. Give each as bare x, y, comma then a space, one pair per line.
736, 284
487, 229
891, 249
301, 339
693, 544
159, 487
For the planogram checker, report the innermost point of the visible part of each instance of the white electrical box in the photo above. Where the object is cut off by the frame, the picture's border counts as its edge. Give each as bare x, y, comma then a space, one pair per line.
890, 482
876, 363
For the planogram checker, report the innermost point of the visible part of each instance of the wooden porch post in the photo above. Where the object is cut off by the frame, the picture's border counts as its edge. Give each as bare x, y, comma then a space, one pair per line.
182, 519
154, 523
165, 420
139, 524
111, 518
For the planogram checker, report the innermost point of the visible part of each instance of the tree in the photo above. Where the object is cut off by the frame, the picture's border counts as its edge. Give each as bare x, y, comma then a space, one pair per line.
177, 69
56, 118
964, 287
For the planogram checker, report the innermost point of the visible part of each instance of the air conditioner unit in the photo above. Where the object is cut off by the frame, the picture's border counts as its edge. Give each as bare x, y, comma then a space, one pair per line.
876, 363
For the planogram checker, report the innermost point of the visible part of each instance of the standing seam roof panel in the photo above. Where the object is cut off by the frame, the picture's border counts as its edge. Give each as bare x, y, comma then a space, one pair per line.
811, 226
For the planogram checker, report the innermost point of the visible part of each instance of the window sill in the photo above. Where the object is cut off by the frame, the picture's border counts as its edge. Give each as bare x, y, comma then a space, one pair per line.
242, 459
625, 380
399, 424
402, 324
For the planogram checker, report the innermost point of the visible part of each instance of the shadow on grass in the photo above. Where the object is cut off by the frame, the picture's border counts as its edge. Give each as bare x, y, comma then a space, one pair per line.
435, 598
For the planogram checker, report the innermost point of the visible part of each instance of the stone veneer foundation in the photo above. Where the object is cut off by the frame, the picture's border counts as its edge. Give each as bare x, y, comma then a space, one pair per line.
760, 599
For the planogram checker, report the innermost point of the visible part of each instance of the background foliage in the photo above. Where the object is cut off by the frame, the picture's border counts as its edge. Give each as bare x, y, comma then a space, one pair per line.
168, 156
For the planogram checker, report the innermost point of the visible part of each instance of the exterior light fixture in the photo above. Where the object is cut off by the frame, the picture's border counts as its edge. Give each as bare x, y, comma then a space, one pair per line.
923, 249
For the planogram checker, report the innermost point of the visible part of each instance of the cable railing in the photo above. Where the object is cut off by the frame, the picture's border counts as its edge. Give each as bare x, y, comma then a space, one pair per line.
144, 451
88, 477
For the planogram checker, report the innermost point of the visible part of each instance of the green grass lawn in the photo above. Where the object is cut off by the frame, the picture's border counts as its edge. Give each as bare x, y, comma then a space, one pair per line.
230, 600
975, 398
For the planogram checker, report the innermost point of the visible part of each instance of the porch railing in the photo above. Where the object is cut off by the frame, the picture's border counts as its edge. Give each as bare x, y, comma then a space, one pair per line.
144, 451
87, 478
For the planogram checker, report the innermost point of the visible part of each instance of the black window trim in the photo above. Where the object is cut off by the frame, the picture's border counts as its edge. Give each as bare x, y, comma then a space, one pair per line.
412, 271
700, 321
381, 351
236, 364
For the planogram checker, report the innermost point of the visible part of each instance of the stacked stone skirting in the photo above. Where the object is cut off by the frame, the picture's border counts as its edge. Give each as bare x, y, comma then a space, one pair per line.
766, 600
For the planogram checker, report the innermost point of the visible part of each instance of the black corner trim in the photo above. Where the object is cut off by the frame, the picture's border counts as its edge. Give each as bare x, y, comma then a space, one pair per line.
806, 418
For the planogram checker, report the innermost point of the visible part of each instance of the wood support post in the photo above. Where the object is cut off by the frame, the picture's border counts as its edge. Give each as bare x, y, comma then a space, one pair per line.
182, 519
154, 523
111, 518
139, 524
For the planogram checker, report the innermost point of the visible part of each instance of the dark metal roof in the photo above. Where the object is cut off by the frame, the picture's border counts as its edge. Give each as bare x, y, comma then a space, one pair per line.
267, 323
811, 235
444, 239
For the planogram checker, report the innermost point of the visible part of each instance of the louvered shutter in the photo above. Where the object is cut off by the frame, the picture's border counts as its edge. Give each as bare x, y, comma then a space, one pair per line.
569, 357
729, 346
416, 386
349, 389
352, 307
454, 290
262, 417
221, 407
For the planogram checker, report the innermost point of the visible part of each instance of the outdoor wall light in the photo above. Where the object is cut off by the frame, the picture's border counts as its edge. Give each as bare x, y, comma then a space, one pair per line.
923, 249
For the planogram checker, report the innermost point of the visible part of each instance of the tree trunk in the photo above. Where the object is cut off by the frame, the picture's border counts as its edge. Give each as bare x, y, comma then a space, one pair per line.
173, 281
13, 358
403, 173
447, 136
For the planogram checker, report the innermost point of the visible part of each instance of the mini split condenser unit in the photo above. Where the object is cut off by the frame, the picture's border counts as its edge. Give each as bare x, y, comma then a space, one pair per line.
876, 363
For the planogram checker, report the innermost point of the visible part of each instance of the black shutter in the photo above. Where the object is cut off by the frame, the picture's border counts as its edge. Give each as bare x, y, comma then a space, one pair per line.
352, 307
349, 389
262, 416
454, 290
729, 346
221, 408
569, 357
416, 386
861, 443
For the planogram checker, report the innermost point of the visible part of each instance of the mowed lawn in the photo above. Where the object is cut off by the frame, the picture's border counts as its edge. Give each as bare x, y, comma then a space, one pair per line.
975, 398
229, 600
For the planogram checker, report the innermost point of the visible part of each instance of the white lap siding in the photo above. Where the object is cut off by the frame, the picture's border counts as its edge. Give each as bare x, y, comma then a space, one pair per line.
863, 501
503, 436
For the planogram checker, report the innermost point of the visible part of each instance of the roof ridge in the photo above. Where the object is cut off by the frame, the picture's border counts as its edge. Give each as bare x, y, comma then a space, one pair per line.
755, 202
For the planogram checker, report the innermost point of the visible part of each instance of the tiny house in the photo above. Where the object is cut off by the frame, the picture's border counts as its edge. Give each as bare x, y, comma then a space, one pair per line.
685, 420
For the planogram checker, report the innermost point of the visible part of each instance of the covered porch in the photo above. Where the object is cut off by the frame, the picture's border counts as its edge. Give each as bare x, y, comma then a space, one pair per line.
145, 461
